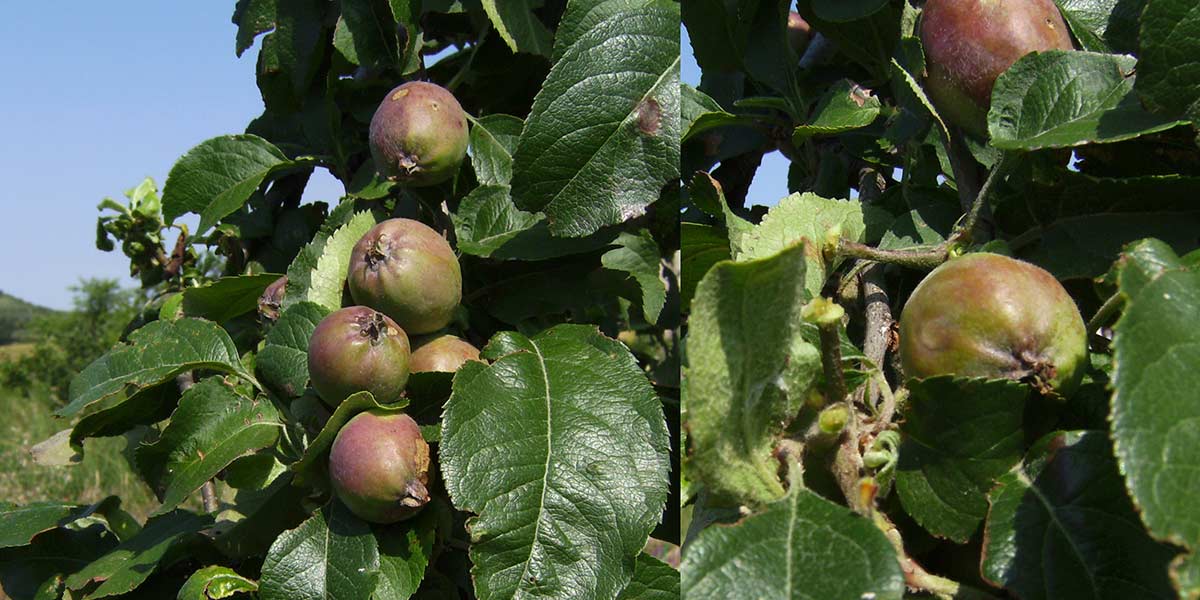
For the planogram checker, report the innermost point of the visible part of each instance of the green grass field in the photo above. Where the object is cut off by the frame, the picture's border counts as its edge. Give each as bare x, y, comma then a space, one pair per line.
103, 472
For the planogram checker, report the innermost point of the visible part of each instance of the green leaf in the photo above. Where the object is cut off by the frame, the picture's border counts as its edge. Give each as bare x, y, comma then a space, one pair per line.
217, 177
1169, 69
845, 107
227, 297
291, 55
488, 224
359, 402
20, 524
252, 18
1061, 527
283, 361
369, 34
738, 360
493, 141
638, 255
518, 26
1155, 416
27, 571
959, 436
579, 18
1085, 246
560, 447
707, 195
130, 563
154, 354
404, 553
318, 274
652, 580
589, 168
841, 11
215, 582
811, 217
249, 527
800, 547
703, 246
1061, 99
330, 556
213, 425
1104, 25
701, 113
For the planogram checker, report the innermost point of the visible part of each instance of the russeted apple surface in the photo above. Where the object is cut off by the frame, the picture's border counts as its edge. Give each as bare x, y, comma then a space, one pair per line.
418, 134
969, 43
442, 353
379, 466
358, 349
987, 315
407, 271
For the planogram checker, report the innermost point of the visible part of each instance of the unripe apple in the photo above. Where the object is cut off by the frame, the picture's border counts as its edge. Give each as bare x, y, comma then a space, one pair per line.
987, 315
418, 135
358, 349
443, 353
407, 271
379, 466
969, 43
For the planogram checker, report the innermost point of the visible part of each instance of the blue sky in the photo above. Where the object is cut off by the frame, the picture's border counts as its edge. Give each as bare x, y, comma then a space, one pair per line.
770, 182
97, 96
100, 95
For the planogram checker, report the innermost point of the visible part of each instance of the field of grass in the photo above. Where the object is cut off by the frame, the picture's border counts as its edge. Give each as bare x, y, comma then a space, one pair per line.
15, 351
103, 472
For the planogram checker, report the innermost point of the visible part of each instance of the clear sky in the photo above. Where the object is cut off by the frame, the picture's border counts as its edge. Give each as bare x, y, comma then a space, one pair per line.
98, 95
770, 182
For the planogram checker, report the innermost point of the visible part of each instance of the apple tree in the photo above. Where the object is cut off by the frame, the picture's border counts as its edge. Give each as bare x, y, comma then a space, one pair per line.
458, 379
959, 360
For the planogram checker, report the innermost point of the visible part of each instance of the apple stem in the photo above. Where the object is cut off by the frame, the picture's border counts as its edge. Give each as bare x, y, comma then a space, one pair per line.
917, 578
1106, 310
1004, 166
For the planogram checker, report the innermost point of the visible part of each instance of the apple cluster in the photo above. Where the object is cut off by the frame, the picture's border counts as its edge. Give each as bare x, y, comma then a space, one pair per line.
405, 280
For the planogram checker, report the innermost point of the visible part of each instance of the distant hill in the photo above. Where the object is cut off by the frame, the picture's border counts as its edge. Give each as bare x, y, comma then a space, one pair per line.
15, 314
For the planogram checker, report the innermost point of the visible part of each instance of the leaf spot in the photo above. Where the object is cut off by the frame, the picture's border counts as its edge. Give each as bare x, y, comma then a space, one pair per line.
649, 116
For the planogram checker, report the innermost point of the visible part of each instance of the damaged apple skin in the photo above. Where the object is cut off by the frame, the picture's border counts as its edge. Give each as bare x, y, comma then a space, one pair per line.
969, 43
379, 466
442, 354
987, 315
407, 271
418, 135
358, 349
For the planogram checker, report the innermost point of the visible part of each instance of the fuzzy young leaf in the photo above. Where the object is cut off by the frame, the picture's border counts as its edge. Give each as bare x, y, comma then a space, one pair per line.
155, 354
959, 436
217, 177
787, 551
589, 168
1061, 527
1155, 416
213, 425
331, 556
737, 362
560, 447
